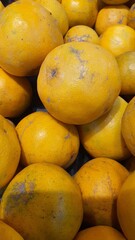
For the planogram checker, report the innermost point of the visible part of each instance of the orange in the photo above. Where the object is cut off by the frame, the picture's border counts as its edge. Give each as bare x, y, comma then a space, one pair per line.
82, 12
111, 15
27, 33
74, 87
58, 12
81, 33
126, 62
128, 126
101, 136
15, 94
8, 233
131, 16
118, 39
126, 207
100, 180
99, 232
58, 142
10, 151
43, 202
115, 1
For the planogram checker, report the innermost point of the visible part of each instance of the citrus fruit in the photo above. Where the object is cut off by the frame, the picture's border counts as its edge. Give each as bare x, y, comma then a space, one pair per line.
111, 15
100, 137
118, 39
131, 16
71, 86
43, 202
27, 32
58, 142
99, 232
128, 127
100, 180
15, 94
82, 12
9, 151
126, 206
81, 33
126, 62
8, 233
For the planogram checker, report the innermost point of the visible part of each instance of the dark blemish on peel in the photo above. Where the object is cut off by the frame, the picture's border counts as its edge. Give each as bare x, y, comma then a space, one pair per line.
53, 72
48, 100
67, 136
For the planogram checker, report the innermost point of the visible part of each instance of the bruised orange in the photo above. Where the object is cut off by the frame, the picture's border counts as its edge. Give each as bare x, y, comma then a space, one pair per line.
43, 202
74, 87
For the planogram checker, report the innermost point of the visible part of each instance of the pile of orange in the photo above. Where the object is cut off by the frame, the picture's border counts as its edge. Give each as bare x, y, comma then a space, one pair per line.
67, 134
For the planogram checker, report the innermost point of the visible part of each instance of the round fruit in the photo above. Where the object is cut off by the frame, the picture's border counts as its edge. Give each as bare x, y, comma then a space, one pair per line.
126, 62
74, 87
58, 142
100, 180
8, 233
15, 94
131, 16
111, 15
27, 33
126, 207
128, 126
118, 39
82, 12
99, 232
43, 202
81, 33
9, 151
100, 137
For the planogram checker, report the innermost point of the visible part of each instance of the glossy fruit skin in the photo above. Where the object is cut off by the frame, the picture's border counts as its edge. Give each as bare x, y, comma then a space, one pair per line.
100, 180
69, 77
43, 202
101, 136
126, 207
32, 32
100, 232
118, 39
81, 12
58, 142
8, 232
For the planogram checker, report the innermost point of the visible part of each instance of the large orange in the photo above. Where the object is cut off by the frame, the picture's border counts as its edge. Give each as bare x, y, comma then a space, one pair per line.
126, 62
43, 202
128, 126
44, 139
111, 15
9, 151
74, 87
126, 207
100, 137
15, 94
100, 180
99, 232
118, 39
8, 233
81, 11
27, 33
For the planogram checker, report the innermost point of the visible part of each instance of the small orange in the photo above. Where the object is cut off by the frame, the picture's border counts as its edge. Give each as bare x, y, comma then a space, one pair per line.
8, 233
111, 15
81, 33
70, 76
128, 126
99, 232
27, 33
118, 39
100, 137
126, 62
100, 180
43, 202
10, 151
131, 17
82, 12
45, 139
126, 207
15, 94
